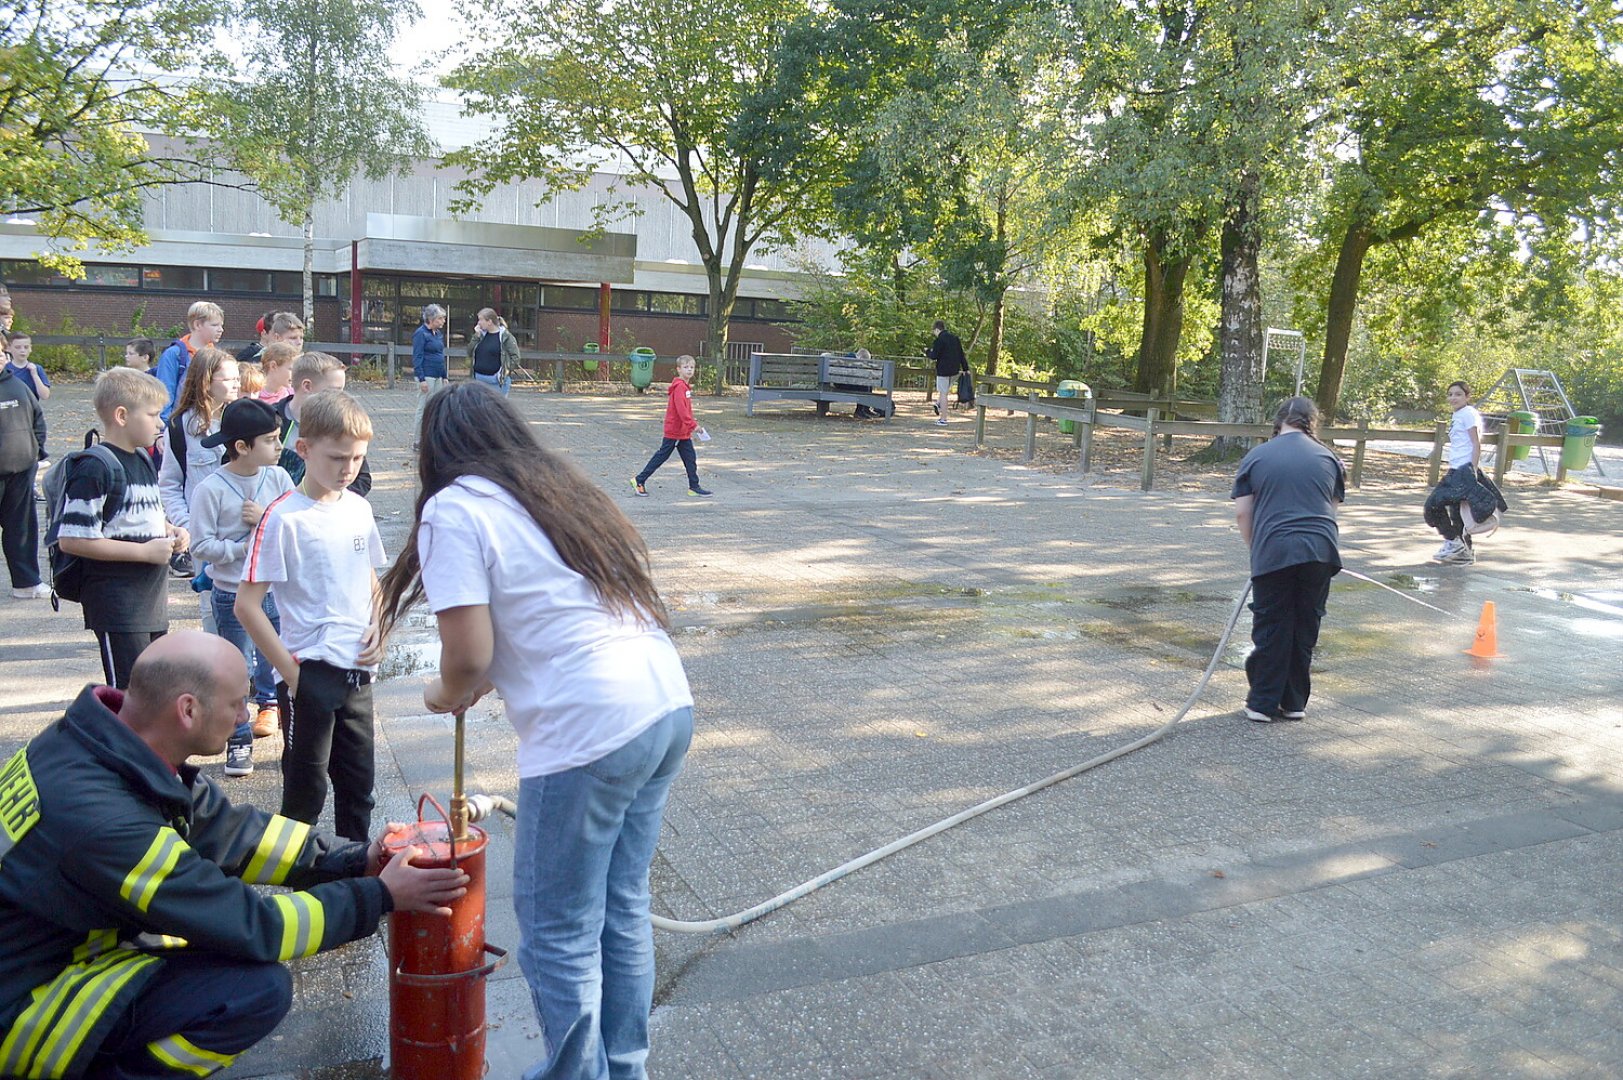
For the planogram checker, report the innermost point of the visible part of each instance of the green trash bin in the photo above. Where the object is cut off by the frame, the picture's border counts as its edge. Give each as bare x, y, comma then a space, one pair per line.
1579, 446
589, 365
1522, 423
642, 367
1071, 388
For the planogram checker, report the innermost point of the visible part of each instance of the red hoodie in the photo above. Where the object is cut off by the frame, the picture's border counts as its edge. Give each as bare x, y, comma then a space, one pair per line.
679, 422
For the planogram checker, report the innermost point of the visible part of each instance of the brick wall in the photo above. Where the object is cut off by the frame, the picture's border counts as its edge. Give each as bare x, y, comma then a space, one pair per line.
112, 312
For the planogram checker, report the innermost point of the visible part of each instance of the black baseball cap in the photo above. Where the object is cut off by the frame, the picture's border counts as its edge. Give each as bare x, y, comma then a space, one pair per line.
246, 419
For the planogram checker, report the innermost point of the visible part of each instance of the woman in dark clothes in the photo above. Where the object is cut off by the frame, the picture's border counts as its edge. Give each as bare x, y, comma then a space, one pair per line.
1285, 497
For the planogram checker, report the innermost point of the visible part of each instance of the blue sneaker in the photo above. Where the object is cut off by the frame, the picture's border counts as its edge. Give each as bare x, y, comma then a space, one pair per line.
239, 758
700, 493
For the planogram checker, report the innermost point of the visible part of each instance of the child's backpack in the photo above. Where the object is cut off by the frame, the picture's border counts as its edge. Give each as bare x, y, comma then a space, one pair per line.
68, 571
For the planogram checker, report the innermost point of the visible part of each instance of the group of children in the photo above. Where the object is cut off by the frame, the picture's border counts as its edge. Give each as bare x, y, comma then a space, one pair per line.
248, 476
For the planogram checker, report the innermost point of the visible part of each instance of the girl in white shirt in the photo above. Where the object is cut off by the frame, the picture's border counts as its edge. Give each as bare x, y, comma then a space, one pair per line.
1464, 453
543, 591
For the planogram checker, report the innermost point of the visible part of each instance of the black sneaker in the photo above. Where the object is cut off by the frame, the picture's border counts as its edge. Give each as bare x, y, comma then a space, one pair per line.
936, 405
239, 758
700, 493
180, 565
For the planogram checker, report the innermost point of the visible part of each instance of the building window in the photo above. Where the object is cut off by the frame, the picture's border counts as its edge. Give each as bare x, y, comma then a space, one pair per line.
564, 296
112, 277
675, 304
182, 278
252, 281
29, 272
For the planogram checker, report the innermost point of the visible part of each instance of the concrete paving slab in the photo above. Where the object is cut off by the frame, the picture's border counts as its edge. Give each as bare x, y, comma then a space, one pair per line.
882, 629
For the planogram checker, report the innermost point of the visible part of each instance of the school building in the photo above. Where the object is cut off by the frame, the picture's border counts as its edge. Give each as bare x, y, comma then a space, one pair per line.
387, 248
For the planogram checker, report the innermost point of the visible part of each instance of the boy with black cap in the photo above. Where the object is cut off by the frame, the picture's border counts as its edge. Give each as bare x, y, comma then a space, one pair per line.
225, 508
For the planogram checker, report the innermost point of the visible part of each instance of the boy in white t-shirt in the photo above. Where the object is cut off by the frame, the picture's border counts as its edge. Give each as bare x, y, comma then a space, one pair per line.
317, 547
1464, 453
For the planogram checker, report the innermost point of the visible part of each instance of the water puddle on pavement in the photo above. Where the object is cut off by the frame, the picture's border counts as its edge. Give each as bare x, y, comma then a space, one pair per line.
1597, 602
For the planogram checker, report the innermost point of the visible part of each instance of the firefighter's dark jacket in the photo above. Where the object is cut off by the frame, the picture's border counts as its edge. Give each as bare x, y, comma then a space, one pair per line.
109, 859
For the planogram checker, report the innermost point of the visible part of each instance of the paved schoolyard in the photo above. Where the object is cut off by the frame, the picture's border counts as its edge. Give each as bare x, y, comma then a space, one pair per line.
881, 629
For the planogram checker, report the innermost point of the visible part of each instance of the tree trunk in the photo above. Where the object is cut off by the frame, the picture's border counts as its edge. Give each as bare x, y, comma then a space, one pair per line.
1339, 316
719, 312
1163, 319
994, 347
1241, 333
309, 283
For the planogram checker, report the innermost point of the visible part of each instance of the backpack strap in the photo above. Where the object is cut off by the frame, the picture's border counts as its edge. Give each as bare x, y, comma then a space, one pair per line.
119, 483
177, 444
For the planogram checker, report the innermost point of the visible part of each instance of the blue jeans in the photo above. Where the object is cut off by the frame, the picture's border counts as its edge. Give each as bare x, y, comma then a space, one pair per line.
690, 460
580, 884
225, 619
500, 382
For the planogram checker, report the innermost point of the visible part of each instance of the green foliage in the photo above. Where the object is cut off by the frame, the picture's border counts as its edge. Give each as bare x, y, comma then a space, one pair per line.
681, 96
79, 82
70, 360
322, 105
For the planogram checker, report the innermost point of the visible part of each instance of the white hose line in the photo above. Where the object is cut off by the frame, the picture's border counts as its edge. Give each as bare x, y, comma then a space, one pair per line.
480, 806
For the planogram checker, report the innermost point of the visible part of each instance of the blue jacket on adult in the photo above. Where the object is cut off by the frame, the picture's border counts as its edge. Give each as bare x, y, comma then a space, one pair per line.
171, 371
427, 354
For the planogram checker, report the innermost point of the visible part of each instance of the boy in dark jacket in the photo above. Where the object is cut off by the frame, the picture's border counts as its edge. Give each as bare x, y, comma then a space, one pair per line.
22, 438
312, 373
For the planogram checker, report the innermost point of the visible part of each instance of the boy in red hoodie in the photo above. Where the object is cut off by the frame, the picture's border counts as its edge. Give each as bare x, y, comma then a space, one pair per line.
679, 429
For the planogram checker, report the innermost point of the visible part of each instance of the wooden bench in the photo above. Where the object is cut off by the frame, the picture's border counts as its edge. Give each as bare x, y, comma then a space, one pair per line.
821, 380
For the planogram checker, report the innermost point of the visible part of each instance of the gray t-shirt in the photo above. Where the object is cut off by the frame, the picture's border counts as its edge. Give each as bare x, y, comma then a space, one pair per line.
1295, 483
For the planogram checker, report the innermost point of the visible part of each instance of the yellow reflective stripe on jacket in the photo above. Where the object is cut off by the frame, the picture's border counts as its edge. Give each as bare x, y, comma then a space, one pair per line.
48, 1034
96, 943
304, 921
142, 883
179, 1052
278, 851
35, 1020
19, 801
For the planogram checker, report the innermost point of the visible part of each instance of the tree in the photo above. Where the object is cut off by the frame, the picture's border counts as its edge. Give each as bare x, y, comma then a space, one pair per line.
1471, 112
1143, 127
679, 96
322, 105
72, 108
952, 160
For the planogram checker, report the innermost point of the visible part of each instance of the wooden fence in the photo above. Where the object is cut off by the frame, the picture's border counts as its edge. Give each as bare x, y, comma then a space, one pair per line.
1089, 416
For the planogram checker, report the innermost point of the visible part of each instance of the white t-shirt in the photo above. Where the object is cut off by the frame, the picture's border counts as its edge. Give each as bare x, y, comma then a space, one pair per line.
1459, 435
578, 680
319, 558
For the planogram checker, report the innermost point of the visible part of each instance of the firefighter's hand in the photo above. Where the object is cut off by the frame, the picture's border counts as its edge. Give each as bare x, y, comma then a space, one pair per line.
418, 889
376, 856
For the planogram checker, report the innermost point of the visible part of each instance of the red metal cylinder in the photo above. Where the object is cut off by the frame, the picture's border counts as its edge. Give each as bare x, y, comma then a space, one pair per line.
438, 967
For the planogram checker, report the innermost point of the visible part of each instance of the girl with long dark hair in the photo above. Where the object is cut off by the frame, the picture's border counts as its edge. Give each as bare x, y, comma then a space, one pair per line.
542, 590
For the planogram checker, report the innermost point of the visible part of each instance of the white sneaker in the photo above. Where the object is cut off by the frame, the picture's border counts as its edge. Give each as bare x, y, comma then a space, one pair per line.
941, 422
41, 591
1449, 549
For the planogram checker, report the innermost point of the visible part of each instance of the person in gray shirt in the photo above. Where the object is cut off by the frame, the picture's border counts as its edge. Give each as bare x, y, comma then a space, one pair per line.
1285, 496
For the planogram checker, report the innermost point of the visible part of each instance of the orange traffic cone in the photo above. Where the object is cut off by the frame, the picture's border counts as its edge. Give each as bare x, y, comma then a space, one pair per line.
1486, 644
